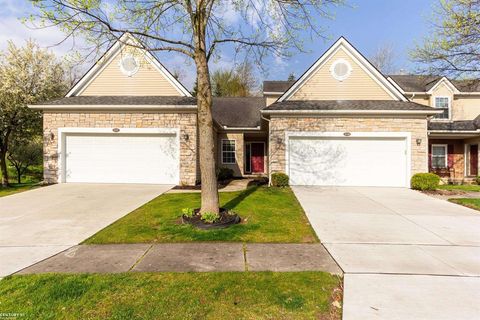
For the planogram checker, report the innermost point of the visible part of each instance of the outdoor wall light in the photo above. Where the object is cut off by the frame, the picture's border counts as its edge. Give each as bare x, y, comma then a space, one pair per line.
419, 142
279, 140
186, 137
52, 136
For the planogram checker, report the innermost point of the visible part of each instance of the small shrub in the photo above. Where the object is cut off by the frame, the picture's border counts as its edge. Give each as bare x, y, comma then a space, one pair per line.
477, 180
224, 174
188, 212
425, 181
209, 217
280, 179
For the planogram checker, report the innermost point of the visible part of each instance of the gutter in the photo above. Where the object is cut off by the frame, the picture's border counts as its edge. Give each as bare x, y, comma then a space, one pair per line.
114, 107
359, 112
454, 131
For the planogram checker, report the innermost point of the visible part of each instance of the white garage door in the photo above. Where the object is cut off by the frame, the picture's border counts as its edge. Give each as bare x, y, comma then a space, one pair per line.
121, 158
347, 161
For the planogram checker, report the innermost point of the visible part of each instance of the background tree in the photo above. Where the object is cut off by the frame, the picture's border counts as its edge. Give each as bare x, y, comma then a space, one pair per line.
198, 29
25, 153
384, 59
291, 77
238, 82
453, 47
27, 75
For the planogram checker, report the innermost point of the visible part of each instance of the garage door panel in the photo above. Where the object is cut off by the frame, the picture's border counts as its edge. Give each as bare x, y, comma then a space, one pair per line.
347, 161
122, 159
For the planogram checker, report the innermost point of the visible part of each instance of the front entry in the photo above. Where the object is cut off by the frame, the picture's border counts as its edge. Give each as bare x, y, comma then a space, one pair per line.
474, 159
256, 157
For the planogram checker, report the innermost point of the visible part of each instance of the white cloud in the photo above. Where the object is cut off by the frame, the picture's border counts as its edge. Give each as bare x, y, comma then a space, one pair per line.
13, 29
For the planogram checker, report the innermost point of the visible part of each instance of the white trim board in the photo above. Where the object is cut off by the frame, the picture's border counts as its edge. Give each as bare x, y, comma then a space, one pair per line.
334, 134
111, 54
362, 62
63, 132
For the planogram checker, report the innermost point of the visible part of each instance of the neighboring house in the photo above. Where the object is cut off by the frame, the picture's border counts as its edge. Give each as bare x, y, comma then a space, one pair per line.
128, 120
454, 134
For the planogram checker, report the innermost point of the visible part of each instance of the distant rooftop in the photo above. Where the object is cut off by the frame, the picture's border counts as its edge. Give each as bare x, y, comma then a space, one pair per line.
277, 86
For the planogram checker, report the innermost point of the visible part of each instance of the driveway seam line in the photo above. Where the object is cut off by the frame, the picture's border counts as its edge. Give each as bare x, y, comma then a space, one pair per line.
141, 258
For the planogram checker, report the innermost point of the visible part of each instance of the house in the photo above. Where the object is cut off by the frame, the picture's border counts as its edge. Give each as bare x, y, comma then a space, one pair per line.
454, 134
343, 123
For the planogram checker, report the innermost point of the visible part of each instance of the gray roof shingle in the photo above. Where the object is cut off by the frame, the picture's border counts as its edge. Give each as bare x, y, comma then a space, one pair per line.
231, 112
277, 85
419, 83
241, 112
464, 125
347, 105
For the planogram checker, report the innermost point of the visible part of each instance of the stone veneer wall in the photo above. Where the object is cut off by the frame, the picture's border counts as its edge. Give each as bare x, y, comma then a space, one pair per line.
279, 125
187, 122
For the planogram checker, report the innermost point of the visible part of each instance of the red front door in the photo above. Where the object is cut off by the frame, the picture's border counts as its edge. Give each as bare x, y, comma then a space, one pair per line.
474, 159
257, 157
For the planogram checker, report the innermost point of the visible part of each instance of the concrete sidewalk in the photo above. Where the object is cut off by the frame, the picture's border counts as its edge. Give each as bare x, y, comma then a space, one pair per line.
188, 257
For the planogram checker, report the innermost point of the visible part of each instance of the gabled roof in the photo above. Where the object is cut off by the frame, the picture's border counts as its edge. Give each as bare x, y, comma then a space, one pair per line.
111, 53
426, 83
276, 86
373, 72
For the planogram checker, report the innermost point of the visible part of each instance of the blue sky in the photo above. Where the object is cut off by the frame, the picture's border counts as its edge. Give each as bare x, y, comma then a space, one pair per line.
367, 24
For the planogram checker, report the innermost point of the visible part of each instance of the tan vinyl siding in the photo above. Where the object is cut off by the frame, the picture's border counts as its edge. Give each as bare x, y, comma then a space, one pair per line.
425, 100
359, 86
148, 81
271, 99
466, 108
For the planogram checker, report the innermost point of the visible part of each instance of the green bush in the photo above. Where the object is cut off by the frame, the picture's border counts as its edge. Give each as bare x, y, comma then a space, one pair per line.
188, 212
279, 179
224, 174
425, 181
477, 180
209, 217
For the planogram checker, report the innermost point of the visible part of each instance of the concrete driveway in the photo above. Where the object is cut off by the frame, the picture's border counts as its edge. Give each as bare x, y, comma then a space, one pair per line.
405, 255
37, 224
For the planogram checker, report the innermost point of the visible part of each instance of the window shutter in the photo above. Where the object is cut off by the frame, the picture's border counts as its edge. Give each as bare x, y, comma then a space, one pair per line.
450, 156
429, 157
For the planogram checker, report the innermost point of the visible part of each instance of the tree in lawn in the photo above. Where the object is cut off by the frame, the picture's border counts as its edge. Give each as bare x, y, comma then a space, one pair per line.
24, 153
198, 29
453, 47
28, 75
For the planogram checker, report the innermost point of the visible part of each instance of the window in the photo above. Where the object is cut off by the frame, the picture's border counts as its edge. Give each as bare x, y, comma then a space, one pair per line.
341, 69
444, 104
129, 65
228, 151
439, 156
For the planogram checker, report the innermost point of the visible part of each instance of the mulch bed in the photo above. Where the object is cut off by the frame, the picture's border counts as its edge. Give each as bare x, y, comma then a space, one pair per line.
441, 192
227, 218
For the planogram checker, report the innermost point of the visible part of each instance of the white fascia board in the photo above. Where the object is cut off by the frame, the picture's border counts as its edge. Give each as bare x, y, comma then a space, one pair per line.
396, 85
241, 128
273, 93
358, 58
327, 112
114, 107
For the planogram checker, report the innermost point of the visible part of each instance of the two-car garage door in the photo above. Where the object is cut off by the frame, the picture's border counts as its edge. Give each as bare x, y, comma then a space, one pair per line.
121, 158
348, 161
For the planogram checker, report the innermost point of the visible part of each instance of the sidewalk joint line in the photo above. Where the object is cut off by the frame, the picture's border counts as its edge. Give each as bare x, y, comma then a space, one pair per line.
141, 258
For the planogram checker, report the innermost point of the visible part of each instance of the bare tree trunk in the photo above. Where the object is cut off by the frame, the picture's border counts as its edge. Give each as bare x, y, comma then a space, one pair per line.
3, 167
206, 148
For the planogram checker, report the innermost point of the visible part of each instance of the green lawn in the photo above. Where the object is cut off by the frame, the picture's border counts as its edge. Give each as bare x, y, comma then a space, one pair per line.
460, 187
473, 203
270, 215
265, 295
16, 188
